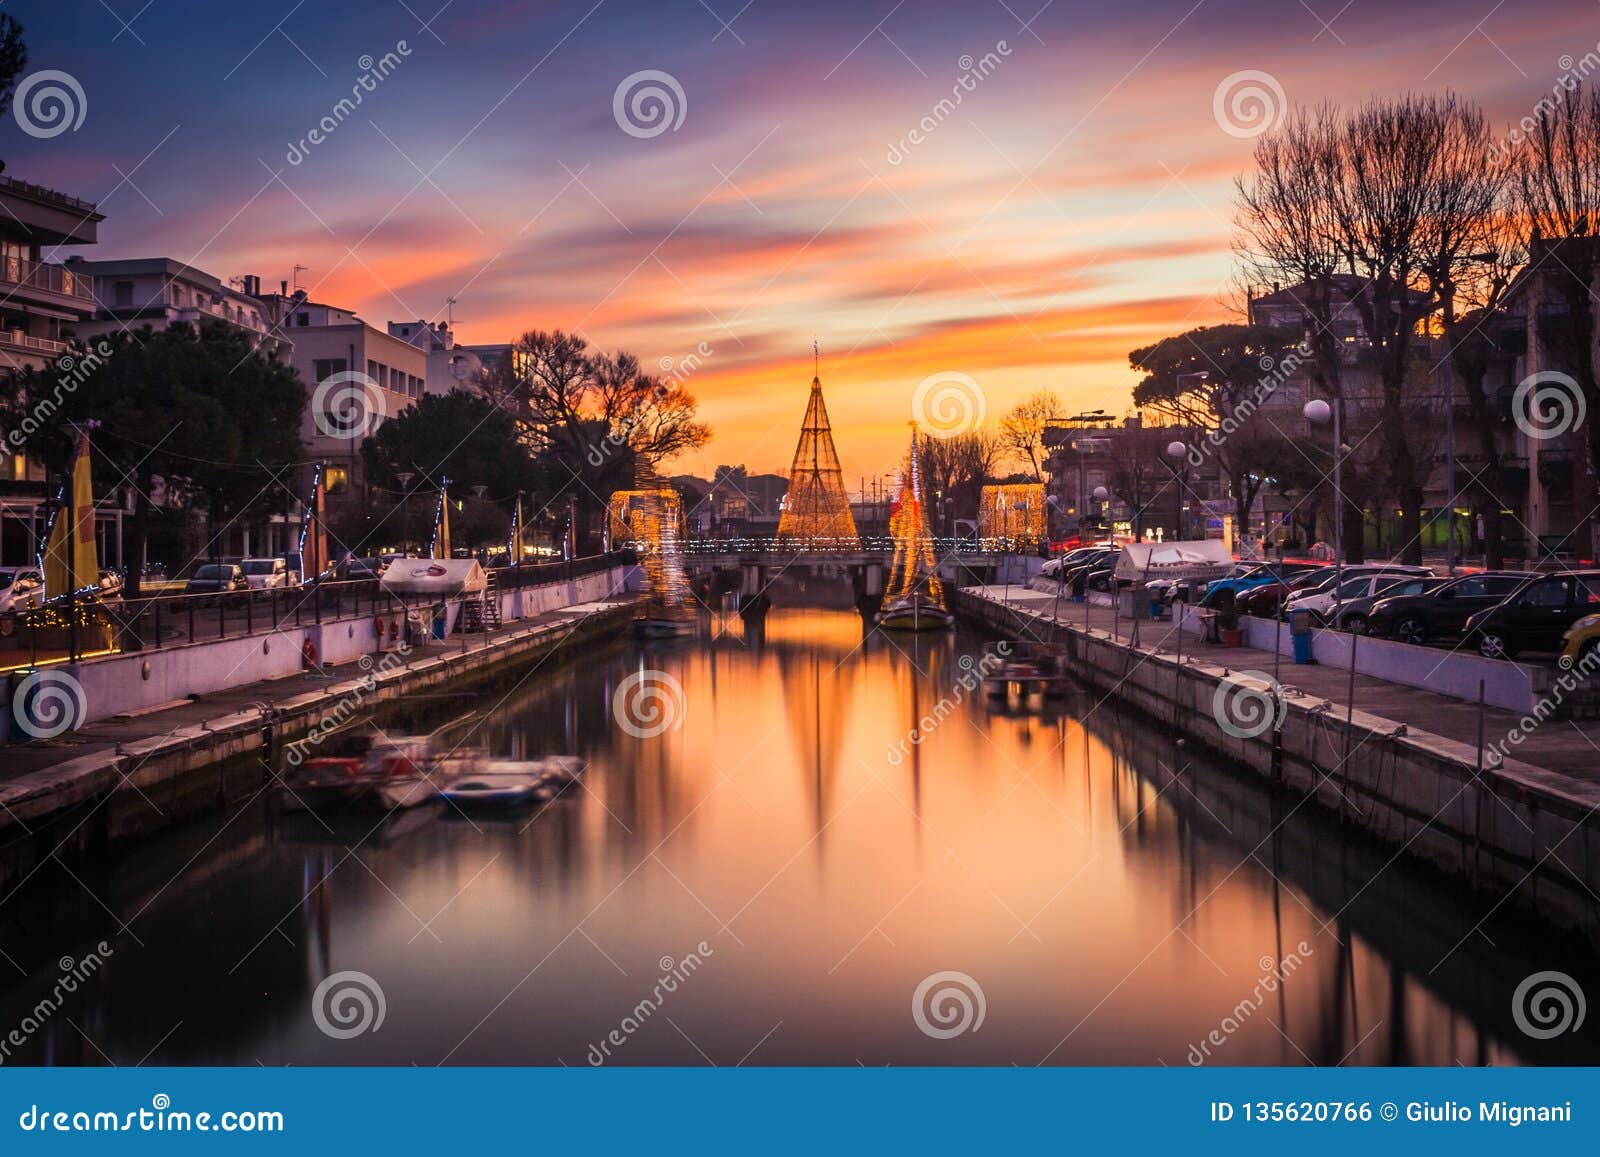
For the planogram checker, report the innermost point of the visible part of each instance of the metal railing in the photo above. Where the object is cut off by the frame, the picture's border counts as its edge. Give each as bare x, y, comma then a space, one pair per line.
48, 277
943, 546
162, 621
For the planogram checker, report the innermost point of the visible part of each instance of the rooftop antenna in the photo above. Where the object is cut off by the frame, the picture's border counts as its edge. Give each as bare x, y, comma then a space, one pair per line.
449, 313
816, 359
294, 275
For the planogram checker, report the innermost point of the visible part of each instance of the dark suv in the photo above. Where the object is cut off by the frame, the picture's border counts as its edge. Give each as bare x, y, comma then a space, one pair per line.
1537, 616
1443, 612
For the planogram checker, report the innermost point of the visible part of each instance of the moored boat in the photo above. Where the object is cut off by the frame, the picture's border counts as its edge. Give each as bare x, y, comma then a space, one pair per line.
915, 613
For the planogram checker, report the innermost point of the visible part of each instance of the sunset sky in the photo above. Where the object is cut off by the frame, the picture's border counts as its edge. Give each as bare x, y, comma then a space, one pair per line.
1077, 204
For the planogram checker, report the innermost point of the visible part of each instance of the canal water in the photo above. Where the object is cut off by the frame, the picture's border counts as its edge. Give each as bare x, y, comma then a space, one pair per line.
762, 866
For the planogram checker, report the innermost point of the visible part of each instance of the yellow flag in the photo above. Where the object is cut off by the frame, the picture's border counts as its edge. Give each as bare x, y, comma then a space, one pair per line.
73, 566
441, 534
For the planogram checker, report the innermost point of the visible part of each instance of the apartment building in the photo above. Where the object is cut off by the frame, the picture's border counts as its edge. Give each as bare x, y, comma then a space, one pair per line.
450, 366
42, 305
160, 292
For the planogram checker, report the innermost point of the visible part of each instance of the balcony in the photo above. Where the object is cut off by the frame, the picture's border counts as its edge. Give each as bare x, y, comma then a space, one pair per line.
17, 340
51, 281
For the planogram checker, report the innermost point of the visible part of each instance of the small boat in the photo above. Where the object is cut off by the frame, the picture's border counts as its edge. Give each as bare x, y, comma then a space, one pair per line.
477, 778
503, 789
391, 772
915, 613
663, 628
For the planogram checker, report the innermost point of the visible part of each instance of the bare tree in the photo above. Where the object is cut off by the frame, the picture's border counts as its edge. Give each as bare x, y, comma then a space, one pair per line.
591, 414
1022, 429
1288, 230
956, 469
1558, 194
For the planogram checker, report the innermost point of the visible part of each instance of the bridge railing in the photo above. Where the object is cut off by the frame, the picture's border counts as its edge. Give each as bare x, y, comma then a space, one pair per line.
943, 547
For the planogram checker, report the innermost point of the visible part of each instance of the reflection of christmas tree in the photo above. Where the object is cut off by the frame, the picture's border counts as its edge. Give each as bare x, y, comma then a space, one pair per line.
816, 510
913, 570
655, 516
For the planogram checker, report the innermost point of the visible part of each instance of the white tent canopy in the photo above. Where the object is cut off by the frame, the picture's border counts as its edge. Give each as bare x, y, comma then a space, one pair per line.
1146, 561
434, 576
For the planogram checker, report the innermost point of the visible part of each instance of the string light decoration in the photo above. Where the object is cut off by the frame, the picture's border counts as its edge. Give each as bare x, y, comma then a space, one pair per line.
816, 509
1012, 512
913, 570
653, 519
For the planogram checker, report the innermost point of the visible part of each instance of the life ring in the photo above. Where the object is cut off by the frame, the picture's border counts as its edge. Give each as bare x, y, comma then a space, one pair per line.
308, 654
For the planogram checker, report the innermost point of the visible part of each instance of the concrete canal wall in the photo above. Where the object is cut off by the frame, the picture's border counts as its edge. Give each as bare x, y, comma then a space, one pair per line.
1513, 830
102, 802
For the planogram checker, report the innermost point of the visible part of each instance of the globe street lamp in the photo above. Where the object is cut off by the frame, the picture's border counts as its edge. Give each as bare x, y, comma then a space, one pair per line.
1178, 451
1318, 413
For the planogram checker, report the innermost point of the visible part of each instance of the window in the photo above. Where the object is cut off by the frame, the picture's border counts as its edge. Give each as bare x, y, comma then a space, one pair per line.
324, 368
372, 369
302, 318
122, 294
1551, 592
1470, 588
1589, 590
336, 479
1503, 585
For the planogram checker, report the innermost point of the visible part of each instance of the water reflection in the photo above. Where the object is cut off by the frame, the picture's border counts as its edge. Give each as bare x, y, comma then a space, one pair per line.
1117, 897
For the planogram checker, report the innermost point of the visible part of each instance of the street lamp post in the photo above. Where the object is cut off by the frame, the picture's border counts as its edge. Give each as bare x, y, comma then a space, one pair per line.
1179, 452
1318, 412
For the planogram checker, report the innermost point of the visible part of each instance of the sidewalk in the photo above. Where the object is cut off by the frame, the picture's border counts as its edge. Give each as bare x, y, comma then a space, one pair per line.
121, 733
1569, 747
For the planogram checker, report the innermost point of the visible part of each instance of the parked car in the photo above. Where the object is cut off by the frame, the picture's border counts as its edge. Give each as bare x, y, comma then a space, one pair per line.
20, 589
1352, 613
1226, 591
1581, 641
217, 578
265, 574
1322, 601
1536, 617
1443, 612
1073, 557
1075, 576
363, 568
1266, 601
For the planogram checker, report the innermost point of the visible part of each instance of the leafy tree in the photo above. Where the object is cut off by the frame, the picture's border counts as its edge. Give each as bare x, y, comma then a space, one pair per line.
13, 59
1214, 378
461, 436
197, 415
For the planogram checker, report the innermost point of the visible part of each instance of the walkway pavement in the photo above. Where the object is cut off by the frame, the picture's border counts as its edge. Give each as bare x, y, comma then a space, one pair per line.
106, 735
1566, 746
